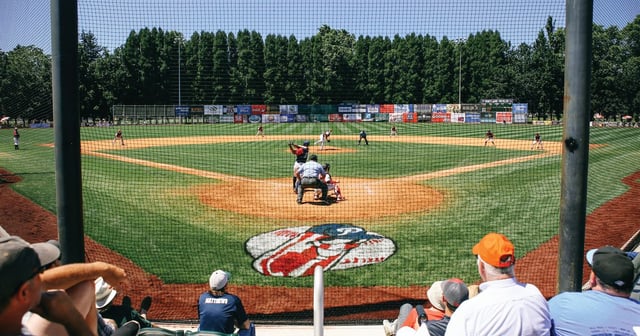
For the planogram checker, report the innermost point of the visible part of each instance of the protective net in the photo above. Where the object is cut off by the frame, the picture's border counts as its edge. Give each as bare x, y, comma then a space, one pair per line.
440, 121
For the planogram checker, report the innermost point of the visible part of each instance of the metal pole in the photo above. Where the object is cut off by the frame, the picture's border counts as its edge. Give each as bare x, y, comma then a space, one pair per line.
64, 82
460, 73
318, 301
179, 81
573, 192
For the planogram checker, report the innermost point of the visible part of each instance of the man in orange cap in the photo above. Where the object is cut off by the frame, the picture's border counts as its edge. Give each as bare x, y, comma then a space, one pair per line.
504, 305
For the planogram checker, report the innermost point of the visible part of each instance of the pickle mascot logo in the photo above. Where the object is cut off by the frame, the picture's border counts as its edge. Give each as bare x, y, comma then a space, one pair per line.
295, 252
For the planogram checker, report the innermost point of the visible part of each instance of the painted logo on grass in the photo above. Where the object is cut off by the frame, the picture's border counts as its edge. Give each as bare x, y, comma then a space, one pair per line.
296, 251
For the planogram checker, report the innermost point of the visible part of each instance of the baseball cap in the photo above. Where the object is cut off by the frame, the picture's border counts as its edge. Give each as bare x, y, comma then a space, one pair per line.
305, 143
313, 157
104, 293
612, 266
219, 279
434, 294
496, 250
21, 261
455, 291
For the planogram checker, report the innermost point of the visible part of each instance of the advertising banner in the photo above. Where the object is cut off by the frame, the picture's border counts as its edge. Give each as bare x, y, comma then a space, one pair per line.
182, 111
520, 118
410, 117
488, 117
453, 108
395, 117
243, 109
273, 109
335, 117
360, 108
369, 117
240, 119
270, 118
520, 108
345, 108
227, 119
381, 116
424, 116
288, 109
287, 118
255, 119
373, 108
457, 117
258, 109
438, 116
439, 108
319, 117
302, 118
387, 108
402, 108
229, 109
196, 110
352, 117
470, 107
503, 117
213, 109
472, 118
422, 108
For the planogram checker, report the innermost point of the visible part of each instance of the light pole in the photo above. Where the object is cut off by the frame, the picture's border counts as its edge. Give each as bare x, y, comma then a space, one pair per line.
179, 81
460, 72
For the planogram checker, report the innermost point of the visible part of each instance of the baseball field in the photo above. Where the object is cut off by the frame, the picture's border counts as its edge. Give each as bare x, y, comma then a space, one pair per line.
179, 201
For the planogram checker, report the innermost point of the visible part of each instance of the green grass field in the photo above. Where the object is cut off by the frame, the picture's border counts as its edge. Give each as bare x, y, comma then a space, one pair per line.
147, 215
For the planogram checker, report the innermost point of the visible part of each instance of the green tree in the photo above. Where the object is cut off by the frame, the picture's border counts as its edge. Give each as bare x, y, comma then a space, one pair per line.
90, 95
27, 84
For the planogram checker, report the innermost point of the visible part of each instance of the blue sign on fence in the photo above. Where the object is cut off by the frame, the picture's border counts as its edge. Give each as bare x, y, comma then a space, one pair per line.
182, 111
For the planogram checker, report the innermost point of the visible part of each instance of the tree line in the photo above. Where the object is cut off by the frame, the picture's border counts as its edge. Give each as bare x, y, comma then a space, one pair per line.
160, 67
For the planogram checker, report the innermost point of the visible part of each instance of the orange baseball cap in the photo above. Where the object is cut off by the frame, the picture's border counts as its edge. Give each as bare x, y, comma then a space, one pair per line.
496, 250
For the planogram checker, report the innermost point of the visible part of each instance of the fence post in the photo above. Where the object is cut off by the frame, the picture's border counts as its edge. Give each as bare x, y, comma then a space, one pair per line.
318, 302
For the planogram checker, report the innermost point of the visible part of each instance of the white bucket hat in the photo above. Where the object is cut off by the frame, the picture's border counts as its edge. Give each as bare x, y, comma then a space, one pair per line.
104, 293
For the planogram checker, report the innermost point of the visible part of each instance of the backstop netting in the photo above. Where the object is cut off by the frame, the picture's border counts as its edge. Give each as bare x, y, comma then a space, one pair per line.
440, 121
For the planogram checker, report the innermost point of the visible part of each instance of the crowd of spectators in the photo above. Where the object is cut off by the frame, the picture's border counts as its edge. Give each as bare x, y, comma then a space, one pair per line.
38, 296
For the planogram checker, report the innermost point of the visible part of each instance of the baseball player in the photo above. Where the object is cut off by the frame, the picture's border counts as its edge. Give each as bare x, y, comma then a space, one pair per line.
324, 137
16, 138
537, 142
260, 131
301, 153
488, 137
394, 130
118, 136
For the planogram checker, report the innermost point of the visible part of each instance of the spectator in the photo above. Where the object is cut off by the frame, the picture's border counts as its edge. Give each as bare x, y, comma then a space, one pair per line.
74, 278
22, 290
606, 309
504, 306
454, 292
221, 311
408, 316
120, 314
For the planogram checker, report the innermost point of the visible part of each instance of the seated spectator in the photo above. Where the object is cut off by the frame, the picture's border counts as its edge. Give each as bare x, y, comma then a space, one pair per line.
408, 315
75, 277
120, 314
221, 311
606, 309
22, 290
504, 306
454, 292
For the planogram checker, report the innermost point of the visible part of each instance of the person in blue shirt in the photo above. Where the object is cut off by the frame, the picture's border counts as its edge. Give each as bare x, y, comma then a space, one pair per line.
607, 308
363, 136
221, 311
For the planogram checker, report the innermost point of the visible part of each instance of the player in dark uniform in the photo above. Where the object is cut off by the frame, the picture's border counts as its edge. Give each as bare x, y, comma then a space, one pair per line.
363, 136
488, 137
301, 153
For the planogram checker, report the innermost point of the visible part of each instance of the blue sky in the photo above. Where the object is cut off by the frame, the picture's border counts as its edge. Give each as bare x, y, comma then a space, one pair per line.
27, 22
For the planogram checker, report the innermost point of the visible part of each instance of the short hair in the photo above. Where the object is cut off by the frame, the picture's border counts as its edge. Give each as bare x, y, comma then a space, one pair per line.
494, 272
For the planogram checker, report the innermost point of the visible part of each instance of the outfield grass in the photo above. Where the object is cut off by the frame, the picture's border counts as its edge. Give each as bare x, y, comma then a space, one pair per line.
146, 214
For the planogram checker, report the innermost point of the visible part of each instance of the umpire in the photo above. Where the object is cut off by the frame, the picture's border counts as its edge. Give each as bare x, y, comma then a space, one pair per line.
312, 175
